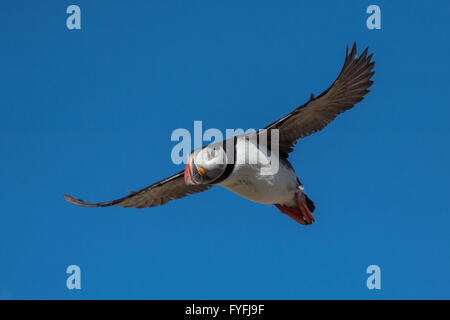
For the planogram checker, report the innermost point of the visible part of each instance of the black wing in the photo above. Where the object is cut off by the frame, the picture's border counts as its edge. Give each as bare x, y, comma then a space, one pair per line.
349, 88
158, 193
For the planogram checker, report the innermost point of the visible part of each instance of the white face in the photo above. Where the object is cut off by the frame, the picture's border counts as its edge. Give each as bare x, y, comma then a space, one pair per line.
206, 165
210, 157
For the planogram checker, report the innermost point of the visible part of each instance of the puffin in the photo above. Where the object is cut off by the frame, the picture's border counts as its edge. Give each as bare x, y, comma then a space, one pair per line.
255, 165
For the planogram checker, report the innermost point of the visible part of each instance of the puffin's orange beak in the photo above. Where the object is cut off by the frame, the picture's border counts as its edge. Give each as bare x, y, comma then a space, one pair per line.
187, 174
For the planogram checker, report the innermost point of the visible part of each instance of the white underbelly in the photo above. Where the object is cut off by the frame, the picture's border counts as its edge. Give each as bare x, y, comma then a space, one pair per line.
252, 182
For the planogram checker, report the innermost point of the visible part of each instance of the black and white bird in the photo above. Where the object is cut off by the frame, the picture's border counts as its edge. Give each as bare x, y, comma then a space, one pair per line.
226, 164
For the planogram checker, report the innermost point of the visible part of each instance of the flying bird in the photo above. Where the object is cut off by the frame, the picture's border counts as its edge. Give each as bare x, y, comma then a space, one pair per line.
225, 164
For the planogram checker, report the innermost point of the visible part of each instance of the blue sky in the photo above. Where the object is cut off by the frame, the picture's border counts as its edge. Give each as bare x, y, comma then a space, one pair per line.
90, 112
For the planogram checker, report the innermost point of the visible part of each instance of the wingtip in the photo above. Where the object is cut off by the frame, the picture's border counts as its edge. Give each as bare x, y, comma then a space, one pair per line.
75, 201
71, 199
354, 48
364, 53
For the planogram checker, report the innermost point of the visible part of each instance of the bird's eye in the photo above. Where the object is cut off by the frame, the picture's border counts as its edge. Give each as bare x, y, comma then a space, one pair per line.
213, 153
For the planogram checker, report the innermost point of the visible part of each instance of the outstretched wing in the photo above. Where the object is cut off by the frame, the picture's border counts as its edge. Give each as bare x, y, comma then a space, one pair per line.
349, 88
158, 193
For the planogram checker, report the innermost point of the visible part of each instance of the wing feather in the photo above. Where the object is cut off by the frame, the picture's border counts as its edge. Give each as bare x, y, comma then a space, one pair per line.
349, 88
156, 194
